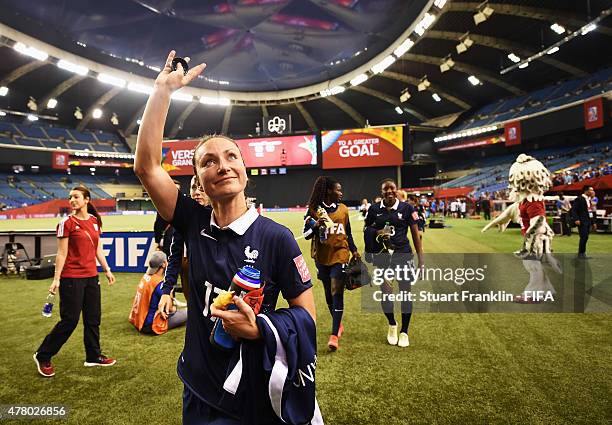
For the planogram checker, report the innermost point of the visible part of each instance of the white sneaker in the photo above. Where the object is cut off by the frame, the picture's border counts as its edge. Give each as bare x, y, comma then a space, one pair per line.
392, 335
403, 340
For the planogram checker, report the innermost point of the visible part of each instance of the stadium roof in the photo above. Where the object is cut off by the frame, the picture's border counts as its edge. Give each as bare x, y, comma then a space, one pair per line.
268, 57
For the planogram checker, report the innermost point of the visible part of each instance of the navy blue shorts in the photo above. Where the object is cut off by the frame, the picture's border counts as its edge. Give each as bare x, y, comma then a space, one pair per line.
326, 273
198, 412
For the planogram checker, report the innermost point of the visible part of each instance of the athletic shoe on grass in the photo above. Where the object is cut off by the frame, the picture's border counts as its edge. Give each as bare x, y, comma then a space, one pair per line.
403, 340
392, 335
102, 360
44, 368
332, 344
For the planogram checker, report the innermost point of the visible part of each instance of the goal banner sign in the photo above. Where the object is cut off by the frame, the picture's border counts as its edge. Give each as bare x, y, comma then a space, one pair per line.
364, 147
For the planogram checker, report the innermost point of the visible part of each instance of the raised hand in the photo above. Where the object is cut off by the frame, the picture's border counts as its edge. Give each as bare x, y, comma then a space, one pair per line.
173, 80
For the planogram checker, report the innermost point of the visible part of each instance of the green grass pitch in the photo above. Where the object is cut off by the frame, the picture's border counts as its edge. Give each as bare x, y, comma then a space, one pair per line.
459, 368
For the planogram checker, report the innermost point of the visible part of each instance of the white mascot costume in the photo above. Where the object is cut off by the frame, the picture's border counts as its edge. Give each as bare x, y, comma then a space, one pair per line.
528, 181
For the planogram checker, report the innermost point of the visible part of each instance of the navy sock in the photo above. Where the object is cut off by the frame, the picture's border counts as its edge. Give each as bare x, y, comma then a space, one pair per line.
406, 308
337, 311
390, 319
405, 321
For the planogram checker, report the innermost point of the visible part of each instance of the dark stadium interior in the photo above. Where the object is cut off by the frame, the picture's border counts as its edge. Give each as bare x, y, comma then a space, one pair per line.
266, 46
522, 26
484, 124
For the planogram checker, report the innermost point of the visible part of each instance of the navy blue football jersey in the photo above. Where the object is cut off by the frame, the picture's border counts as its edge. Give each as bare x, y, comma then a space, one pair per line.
400, 217
215, 255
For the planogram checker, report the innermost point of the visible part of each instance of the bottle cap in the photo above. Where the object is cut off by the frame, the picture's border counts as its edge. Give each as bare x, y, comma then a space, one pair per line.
248, 278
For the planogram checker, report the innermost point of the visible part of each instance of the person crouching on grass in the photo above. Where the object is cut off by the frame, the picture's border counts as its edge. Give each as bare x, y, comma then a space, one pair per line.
76, 277
390, 221
330, 247
234, 386
144, 315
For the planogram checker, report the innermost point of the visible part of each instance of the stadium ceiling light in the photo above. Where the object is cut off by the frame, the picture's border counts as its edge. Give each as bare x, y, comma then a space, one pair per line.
97, 113
78, 114
337, 90
51, 103
465, 42
588, 28
405, 95
439, 3
474, 80
585, 29
553, 50
399, 110
557, 28
114, 81
32, 117
72, 67
3, 91
514, 58
181, 96
447, 64
383, 64
140, 88
424, 23
403, 48
359, 79
423, 84
524, 65
484, 13
30, 51
32, 105
138, 121
470, 132
222, 101
436, 97
114, 119
2, 114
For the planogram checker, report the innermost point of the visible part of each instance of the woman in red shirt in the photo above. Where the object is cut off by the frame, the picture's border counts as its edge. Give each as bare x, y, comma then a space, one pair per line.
76, 276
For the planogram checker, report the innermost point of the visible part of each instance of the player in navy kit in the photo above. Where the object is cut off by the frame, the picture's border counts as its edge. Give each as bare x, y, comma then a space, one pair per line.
221, 239
398, 217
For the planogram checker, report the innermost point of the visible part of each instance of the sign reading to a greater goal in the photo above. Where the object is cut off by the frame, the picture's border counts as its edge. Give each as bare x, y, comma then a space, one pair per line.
364, 147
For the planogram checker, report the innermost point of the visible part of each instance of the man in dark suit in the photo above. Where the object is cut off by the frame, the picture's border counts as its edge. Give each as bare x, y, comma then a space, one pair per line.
486, 207
582, 217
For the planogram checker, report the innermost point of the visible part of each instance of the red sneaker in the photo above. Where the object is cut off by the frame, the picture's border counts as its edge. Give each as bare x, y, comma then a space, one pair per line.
340, 330
332, 344
44, 368
102, 360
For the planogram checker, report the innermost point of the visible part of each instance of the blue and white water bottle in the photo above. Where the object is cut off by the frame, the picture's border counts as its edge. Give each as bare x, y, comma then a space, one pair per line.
247, 279
48, 307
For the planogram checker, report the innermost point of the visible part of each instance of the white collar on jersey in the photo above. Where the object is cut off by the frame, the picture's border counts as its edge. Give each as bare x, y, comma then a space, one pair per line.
241, 224
394, 207
332, 205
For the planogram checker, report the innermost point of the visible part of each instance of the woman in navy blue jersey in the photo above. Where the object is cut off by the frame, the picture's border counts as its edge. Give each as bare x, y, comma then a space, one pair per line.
388, 222
221, 239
